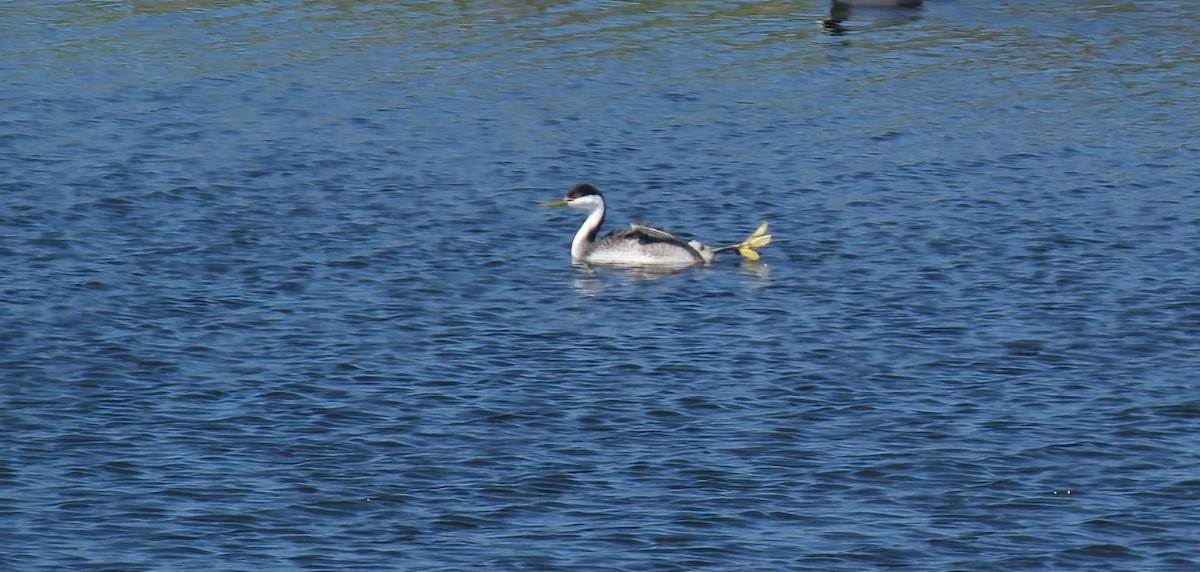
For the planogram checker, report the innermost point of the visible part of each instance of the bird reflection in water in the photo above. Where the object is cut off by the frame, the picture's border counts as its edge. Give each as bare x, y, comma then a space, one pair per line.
592, 279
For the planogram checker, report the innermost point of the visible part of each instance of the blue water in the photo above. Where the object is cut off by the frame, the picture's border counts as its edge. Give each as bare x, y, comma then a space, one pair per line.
275, 294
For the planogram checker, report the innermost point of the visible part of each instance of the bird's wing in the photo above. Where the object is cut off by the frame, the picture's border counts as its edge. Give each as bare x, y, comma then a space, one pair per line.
652, 243
646, 234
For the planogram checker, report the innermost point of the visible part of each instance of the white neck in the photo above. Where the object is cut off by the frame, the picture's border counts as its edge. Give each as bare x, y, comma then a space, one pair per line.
586, 233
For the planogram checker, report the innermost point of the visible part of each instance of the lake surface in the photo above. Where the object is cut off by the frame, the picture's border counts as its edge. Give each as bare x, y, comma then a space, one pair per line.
275, 294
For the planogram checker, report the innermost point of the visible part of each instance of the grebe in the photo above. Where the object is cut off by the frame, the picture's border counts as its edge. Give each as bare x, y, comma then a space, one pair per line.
641, 245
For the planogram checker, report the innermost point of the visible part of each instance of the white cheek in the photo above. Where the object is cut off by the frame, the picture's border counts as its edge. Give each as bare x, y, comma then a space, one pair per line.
583, 202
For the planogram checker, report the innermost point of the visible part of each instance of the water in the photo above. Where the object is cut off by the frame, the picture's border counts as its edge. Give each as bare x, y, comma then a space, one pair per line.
274, 292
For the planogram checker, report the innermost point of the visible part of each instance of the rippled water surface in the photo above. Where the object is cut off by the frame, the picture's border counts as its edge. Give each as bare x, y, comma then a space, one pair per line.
275, 294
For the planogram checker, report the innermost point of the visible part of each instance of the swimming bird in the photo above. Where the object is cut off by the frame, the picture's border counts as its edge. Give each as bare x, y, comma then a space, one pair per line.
641, 245
879, 3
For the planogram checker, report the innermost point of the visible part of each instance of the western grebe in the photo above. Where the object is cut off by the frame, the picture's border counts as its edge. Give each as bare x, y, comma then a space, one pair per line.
640, 245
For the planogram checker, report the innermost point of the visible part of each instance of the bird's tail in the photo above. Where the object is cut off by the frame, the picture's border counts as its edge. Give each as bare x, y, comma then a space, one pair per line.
747, 247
